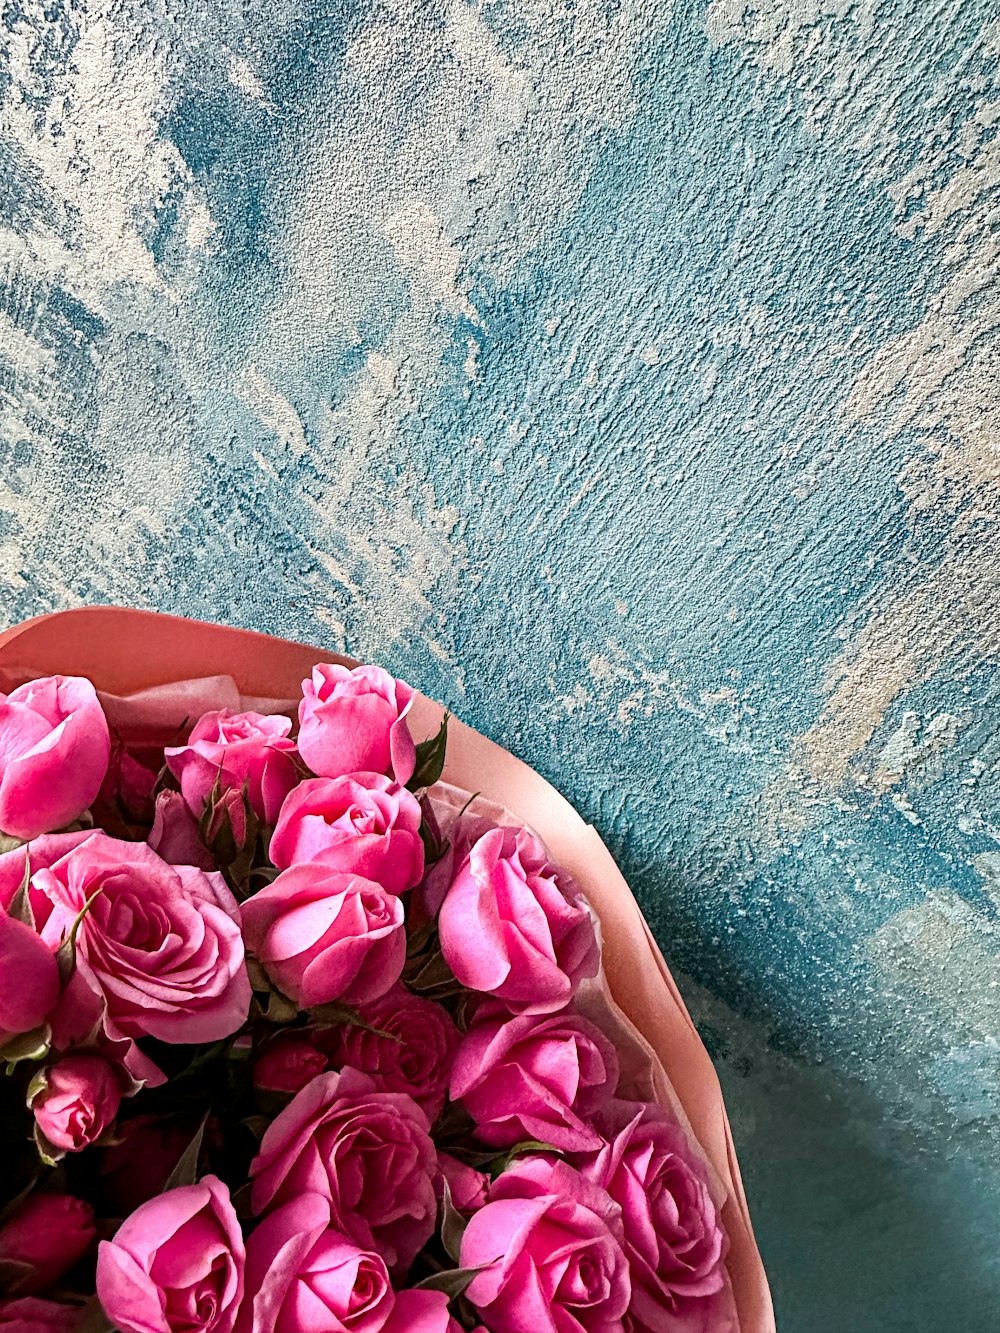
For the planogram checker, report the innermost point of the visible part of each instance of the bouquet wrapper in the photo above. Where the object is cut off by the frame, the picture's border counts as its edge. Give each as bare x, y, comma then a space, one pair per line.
155, 672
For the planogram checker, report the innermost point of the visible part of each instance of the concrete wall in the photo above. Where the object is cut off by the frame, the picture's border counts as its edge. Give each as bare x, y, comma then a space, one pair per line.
626, 376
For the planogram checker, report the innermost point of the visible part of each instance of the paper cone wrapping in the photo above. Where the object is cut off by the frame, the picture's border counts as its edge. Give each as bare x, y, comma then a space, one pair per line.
155, 672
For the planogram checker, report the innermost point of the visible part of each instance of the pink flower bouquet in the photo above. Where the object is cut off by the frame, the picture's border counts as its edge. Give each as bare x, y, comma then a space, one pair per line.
321, 1012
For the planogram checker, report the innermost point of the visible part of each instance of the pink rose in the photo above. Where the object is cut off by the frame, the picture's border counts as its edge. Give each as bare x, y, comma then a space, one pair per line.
78, 1100
422, 1312
45, 1237
138, 1165
410, 1049
236, 750
287, 1063
368, 1152
174, 835
54, 750
302, 1274
30, 986
125, 802
466, 1185
362, 824
673, 1234
43, 851
175, 1265
355, 722
515, 927
159, 945
31, 1315
535, 1078
321, 935
552, 1243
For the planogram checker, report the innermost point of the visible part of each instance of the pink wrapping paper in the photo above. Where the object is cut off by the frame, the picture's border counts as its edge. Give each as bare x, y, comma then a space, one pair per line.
125, 652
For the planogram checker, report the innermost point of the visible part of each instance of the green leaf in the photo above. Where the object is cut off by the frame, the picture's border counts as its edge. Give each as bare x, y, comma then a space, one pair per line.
66, 953
433, 850
430, 758
333, 1015
20, 908
48, 1152
522, 1149
452, 1281
186, 1170
32, 1045
453, 1225
8, 843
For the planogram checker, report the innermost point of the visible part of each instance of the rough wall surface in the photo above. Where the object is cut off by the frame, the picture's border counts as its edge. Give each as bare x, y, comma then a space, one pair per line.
626, 376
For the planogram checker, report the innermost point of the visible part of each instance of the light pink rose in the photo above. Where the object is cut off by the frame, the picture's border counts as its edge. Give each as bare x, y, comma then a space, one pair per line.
174, 835
532, 1077
303, 1274
407, 1046
51, 847
466, 1185
176, 1265
673, 1234
137, 1166
354, 721
422, 1312
30, 986
236, 750
363, 824
54, 750
515, 927
287, 1063
552, 1243
160, 945
369, 1152
32, 1315
79, 1100
321, 935
44, 1238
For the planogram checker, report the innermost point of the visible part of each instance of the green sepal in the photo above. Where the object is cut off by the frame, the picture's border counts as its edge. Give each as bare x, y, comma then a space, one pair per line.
430, 758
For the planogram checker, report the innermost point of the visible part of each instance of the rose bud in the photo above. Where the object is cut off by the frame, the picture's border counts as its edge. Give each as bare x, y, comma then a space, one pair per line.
466, 1185
535, 1078
323, 936
301, 1273
78, 1099
176, 1263
369, 1152
287, 1063
54, 751
406, 1045
174, 835
515, 927
550, 1241
363, 824
236, 750
138, 1166
30, 987
673, 1236
48, 1234
418, 1311
354, 721
31, 1315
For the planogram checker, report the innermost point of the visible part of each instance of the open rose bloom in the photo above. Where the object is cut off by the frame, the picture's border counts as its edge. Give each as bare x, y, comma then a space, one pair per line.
302, 1037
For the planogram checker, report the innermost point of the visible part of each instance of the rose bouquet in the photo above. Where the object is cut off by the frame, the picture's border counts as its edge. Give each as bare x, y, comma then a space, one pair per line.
306, 1028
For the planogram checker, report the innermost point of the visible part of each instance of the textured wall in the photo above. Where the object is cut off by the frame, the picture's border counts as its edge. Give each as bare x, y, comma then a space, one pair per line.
626, 375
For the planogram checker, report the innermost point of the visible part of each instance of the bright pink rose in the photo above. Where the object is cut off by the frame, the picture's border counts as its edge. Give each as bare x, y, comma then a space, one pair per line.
410, 1049
174, 835
176, 1265
45, 1237
30, 986
287, 1063
466, 1185
421, 1312
369, 1152
321, 935
160, 945
236, 750
533, 1077
302, 1274
31, 1315
51, 847
79, 1100
138, 1165
54, 750
514, 926
673, 1234
552, 1241
355, 722
362, 824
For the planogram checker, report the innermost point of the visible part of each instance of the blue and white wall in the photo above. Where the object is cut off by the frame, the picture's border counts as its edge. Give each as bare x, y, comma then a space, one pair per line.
625, 375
